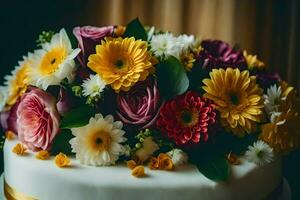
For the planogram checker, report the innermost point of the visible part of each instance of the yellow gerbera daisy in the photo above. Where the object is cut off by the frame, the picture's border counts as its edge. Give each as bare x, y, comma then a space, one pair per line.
237, 97
17, 82
252, 61
121, 62
54, 62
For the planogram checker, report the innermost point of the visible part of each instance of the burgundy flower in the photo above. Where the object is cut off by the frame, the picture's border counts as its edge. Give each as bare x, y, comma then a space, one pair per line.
65, 102
187, 118
266, 79
88, 37
140, 105
217, 54
9, 119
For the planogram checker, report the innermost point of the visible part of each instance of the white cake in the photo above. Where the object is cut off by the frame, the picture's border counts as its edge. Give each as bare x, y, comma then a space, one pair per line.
43, 180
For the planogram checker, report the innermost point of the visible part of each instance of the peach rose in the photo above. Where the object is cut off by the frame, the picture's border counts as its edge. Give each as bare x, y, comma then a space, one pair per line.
37, 119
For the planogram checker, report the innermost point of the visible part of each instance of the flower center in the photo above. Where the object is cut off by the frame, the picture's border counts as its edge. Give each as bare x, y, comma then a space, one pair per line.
100, 141
51, 60
260, 154
234, 99
119, 64
189, 118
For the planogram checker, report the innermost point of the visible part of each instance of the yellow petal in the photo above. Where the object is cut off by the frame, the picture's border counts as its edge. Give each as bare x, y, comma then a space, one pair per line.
138, 171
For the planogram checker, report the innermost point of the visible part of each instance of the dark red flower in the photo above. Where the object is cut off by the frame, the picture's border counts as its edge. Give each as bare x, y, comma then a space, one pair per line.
187, 118
218, 54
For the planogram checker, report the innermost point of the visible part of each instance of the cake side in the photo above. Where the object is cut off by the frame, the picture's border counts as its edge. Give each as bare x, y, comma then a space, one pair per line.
45, 181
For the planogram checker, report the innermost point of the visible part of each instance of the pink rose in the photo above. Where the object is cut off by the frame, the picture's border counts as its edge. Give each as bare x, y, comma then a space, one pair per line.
140, 105
88, 37
37, 119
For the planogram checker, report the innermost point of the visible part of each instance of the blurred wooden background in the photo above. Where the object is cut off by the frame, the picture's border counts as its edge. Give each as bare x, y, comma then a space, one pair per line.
269, 28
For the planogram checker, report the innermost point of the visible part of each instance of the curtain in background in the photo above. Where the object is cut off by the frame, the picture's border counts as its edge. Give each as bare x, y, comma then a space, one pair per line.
267, 28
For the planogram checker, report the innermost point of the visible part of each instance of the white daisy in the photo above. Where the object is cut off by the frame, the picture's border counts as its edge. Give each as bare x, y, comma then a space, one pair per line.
93, 86
54, 62
164, 45
3, 97
98, 143
178, 157
260, 153
272, 99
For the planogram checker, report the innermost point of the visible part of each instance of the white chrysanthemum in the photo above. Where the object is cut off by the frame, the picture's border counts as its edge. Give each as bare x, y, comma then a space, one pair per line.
164, 45
54, 62
178, 157
93, 86
147, 149
187, 41
99, 142
272, 99
260, 153
3, 96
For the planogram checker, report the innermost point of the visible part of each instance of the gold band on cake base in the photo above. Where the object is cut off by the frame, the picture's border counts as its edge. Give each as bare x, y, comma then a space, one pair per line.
12, 194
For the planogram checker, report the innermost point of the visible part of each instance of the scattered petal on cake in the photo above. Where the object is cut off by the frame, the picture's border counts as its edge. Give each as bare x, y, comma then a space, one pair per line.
19, 149
138, 171
62, 160
9, 135
42, 155
131, 164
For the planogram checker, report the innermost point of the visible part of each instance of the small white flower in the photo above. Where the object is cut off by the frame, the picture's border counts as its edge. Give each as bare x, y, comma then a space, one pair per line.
164, 45
272, 99
187, 41
99, 142
93, 86
147, 149
178, 157
260, 153
3, 96
53, 62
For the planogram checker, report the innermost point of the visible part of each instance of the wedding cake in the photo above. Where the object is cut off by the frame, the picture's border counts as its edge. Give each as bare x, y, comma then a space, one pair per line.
134, 112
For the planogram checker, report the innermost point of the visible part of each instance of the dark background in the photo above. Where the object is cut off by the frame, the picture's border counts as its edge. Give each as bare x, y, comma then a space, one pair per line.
275, 35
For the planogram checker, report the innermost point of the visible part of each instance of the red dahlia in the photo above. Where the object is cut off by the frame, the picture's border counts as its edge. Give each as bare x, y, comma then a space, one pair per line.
187, 118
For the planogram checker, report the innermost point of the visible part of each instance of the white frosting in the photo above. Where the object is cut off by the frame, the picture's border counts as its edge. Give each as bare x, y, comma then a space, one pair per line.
45, 181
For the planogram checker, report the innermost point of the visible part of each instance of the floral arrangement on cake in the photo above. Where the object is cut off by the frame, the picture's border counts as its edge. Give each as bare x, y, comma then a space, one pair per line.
143, 96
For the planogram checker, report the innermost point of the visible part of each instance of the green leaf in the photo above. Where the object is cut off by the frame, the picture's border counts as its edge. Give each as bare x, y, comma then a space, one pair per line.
61, 142
216, 169
136, 29
171, 77
77, 117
